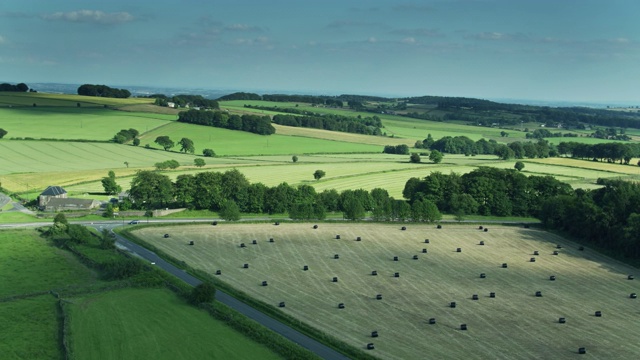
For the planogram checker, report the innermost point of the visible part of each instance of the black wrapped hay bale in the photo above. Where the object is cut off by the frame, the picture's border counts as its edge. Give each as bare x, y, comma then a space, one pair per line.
336, 256
532, 260
486, 229
341, 306
426, 241
480, 227
271, 240
463, 326
552, 278
439, 226
358, 238
370, 346
242, 245
432, 321
281, 304
452, 304
191, 243
403, 228
424, 251
379, 297
474, 297
374, 334
504, 265
481, 243
218, 272
337, 237
374, 273
633, 295
536, 252
395, 258
415, 257
246, 266
558, 246
492, 294
630, 277
335, 279
556, 253
277, 223
459, 250
264, 283
562, 320
166, 236
396, 274
582, 351
598, 314
214, 223
483, 275
538, 293
254, 242
305, 268
315, 226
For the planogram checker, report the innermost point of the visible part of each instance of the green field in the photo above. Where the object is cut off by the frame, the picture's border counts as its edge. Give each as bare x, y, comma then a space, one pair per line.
515, 325
17, 99
29, 266
152, 324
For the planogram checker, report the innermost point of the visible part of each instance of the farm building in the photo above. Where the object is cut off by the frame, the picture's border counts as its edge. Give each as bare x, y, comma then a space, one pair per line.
54, 198
51, 192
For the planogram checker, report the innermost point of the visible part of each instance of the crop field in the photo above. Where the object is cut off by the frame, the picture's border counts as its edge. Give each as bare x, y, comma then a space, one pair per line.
516, 324
16, 99
152, 324
72, 123
239, 143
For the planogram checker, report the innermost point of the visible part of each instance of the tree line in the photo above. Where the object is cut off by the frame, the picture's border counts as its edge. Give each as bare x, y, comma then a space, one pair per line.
251, 123
350, 124
609, 152
225, 192
103, 91
21, 87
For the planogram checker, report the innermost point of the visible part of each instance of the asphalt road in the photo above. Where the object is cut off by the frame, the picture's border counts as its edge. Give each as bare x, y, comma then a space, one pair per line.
314, 346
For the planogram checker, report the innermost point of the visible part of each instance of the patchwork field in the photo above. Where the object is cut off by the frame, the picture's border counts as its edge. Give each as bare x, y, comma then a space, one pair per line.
152, 324
516, 324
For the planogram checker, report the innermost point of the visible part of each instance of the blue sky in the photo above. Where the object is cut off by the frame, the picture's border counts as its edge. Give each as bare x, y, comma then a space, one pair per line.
556, 50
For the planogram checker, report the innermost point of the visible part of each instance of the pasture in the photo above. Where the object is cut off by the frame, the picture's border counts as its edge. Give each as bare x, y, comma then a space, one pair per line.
516, 324
75, 123
17, 99
152, 324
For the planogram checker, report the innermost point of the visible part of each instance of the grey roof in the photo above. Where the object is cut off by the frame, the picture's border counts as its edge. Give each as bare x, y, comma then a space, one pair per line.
54, 191
71, 203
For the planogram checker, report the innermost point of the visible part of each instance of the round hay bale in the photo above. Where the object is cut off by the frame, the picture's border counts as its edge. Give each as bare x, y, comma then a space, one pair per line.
480, 227
166, 236
463, 326
426, 241
538, 293
486, 229
305, 268
452, 304
492, 295
214, 223
396, 274
424, 251
374, 273
556, 253
242, 245
582, 350
335, 279
630, 277
315, 226
552, 278
403, 228
459, 250
581, 248
432, 321
562, 320
598, 313
281, 304
633, 295
439, 226
336, 256
536, 252
218, 272
481, 243
374, 334
415, 257
277, 223
370, 346
341, 306
395, 258
379, 297
337, 237
504, 265
264, 283
532, 260
358, 238
558, 246
191, 242
474, 297
245, 266
271, 240
483, 275
254, 242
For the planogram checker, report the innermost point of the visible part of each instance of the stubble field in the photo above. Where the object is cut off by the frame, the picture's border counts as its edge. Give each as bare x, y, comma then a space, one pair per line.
514, 325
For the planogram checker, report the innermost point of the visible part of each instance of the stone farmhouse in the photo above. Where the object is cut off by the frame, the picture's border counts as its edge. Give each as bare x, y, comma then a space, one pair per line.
54, 198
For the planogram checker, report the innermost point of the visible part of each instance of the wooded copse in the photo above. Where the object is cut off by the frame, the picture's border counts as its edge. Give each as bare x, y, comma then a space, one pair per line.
251, 123
103, 91
350, 124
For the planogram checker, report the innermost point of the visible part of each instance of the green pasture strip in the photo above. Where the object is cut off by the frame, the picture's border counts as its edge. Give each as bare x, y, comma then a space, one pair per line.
10, 217
30, 264
80, 123
340, 136
416, 129
152, 323
65, 100
512, 325
591, 165
240, 143
582, 140
30, 328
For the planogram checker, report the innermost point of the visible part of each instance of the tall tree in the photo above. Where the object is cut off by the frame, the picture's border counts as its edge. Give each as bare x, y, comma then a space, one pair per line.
150, 189
3, 132
109, 184
436, 156
186, 145
319, 174
165, 142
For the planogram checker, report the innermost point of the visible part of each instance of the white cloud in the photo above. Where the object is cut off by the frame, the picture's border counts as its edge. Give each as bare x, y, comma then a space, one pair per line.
90, 16
372, 40
409, 40
2, 40
242, 27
